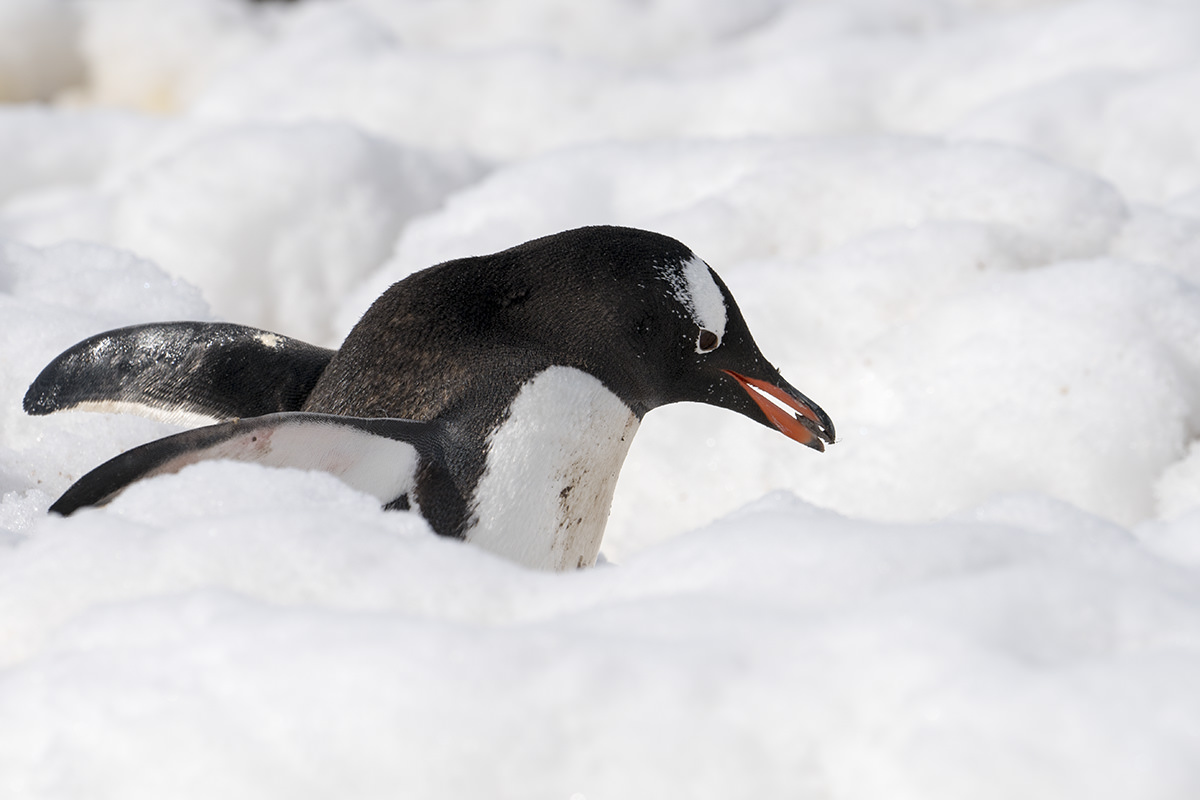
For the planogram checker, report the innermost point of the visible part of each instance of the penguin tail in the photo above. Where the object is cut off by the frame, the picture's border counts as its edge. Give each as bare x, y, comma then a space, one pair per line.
179, 371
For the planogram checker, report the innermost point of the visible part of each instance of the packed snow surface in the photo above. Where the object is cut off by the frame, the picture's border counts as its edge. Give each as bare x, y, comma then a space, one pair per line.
968, 229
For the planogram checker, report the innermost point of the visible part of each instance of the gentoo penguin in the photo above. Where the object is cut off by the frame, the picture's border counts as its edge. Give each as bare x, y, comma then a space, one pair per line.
496, 395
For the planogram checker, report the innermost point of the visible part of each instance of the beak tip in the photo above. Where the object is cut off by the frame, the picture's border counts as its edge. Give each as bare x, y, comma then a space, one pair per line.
819, 434
830, 435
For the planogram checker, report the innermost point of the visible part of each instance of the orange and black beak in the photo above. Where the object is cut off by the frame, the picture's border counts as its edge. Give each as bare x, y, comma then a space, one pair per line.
784, 407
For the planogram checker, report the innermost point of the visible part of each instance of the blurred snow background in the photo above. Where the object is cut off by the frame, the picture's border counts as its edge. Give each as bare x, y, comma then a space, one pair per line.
969, 229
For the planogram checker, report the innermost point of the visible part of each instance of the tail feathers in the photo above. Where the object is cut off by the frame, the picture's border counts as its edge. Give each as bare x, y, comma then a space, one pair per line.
181, 370
383, 457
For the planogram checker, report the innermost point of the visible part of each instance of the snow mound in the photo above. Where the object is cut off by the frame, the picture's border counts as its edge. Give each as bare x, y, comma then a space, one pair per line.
968, 229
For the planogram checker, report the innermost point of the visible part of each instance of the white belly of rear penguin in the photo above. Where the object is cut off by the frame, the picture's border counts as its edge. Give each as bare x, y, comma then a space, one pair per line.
551, 470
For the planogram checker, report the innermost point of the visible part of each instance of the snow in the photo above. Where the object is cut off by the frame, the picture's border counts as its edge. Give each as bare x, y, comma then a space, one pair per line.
968, 229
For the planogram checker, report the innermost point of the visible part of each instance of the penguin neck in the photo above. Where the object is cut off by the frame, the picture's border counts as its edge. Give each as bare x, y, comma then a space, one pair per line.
550, 470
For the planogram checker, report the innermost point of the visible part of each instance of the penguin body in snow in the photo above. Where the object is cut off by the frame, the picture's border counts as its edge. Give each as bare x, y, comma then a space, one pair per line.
497, 395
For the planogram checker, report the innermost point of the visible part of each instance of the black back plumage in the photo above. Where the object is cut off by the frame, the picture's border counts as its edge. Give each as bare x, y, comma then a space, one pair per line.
213, 369
478, 326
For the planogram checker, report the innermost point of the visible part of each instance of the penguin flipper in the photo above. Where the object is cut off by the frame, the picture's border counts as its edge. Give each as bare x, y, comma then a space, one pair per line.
176, 370
379, 456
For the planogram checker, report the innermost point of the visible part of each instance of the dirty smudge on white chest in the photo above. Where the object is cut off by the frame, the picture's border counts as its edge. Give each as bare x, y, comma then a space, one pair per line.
551, 470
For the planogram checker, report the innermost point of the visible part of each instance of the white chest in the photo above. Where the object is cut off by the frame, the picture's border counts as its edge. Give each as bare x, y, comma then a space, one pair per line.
551, 469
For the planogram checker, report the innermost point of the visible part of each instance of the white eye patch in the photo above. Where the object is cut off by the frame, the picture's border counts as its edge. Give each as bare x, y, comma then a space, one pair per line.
693, 286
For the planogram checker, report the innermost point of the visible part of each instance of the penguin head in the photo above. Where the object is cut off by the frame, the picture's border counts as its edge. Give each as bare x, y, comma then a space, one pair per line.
719, 362
650, 319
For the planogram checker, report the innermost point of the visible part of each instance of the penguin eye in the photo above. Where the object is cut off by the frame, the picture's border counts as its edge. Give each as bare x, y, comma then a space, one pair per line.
707, 342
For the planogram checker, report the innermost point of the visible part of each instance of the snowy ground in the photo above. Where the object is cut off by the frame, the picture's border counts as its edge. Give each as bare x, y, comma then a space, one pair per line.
969, 229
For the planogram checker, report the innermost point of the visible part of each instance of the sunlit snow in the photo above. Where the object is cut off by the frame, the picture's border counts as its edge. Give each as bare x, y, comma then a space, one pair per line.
968, 229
